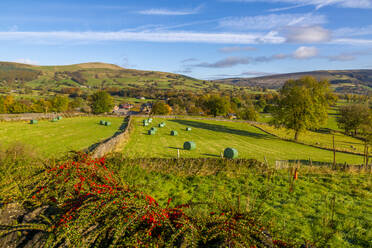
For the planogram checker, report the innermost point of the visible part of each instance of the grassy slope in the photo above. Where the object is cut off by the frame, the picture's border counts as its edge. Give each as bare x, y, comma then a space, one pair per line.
53, 139
114, 76
212, 137
325, 140
305, 214
358, 80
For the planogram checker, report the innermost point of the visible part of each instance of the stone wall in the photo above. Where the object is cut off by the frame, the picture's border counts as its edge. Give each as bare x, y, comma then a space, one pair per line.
112, 144
36, 116
46, 116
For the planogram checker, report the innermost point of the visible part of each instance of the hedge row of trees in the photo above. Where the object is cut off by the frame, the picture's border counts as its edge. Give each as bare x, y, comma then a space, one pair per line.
217, 105
99, 102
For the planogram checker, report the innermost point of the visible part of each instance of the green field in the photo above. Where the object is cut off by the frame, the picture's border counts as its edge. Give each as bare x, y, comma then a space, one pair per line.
324, 204
320, 139
94, 75
212, 137
56, 138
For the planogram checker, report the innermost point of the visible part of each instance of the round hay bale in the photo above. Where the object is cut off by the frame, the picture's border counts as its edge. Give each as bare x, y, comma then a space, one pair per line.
145, 124
102, 122
154, 129
54, 120
189, 145
33, 121
161, 125
107, 123
151, 132
188, 129
174, 133
230, 153
149, 120
59, 118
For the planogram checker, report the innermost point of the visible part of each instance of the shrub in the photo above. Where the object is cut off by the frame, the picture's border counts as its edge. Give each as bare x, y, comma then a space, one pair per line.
89, 207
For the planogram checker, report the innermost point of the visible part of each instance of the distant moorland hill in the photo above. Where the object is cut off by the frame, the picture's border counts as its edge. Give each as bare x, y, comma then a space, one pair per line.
102, 76
345, 81
96, 76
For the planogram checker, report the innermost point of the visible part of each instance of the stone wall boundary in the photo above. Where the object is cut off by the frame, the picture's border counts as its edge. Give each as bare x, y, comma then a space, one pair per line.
113, 143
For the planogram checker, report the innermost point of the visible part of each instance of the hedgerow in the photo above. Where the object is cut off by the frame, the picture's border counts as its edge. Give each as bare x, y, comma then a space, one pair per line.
88, 206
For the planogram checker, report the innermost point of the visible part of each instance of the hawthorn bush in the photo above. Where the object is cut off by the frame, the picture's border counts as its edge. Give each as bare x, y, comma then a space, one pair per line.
86, 206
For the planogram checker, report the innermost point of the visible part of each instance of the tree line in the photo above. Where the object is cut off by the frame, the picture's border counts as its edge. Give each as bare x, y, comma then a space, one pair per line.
97, 103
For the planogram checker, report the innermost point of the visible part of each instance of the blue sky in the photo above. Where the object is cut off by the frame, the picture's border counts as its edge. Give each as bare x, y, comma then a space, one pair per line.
204, 39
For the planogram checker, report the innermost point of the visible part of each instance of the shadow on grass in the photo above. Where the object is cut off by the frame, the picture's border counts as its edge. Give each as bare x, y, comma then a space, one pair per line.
175, 148
323, 130
316, 163
220, 128
211, 155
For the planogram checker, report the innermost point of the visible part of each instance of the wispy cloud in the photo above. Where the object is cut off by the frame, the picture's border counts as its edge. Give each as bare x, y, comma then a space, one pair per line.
189, 60
184, 71
305, 52
315, 34
272, 21
244, 74
299, 35
233, 49
225, 63
301, 53
234, 61
170, 12
351, 41
26, 61
317, 3
348, 56
221, 38
355, 31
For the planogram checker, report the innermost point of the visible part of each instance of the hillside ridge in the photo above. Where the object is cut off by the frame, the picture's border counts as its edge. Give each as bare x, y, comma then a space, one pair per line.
346, 81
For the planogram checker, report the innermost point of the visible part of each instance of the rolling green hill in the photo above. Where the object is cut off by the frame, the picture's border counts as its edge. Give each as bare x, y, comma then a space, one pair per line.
95, 76
344, 81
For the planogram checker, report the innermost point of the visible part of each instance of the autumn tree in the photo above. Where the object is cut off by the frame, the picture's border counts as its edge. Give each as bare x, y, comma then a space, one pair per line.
60, 103
302, 104
352, 117
101, 102
248, 113
161, 108
215, 105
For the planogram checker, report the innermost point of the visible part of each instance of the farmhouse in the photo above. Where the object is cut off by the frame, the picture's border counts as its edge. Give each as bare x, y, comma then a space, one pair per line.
146, 108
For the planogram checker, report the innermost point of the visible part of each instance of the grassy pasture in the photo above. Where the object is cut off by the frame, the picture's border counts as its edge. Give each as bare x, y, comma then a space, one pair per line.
212, 137
324, 203
320, 139
55, 138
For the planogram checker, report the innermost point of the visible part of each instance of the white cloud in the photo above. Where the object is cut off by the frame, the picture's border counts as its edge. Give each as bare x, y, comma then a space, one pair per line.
272, 21
354, 42
348, 32
222, 38
342, 57
170, 12
26, 61
225, 63
313, 34
305, 52
318, 3
233, 49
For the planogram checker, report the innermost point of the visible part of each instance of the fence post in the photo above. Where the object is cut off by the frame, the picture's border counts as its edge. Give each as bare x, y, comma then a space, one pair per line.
334, 153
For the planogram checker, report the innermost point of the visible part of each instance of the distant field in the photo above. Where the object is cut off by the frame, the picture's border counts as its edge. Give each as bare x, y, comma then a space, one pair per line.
319, 139
212, 137
56, 138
